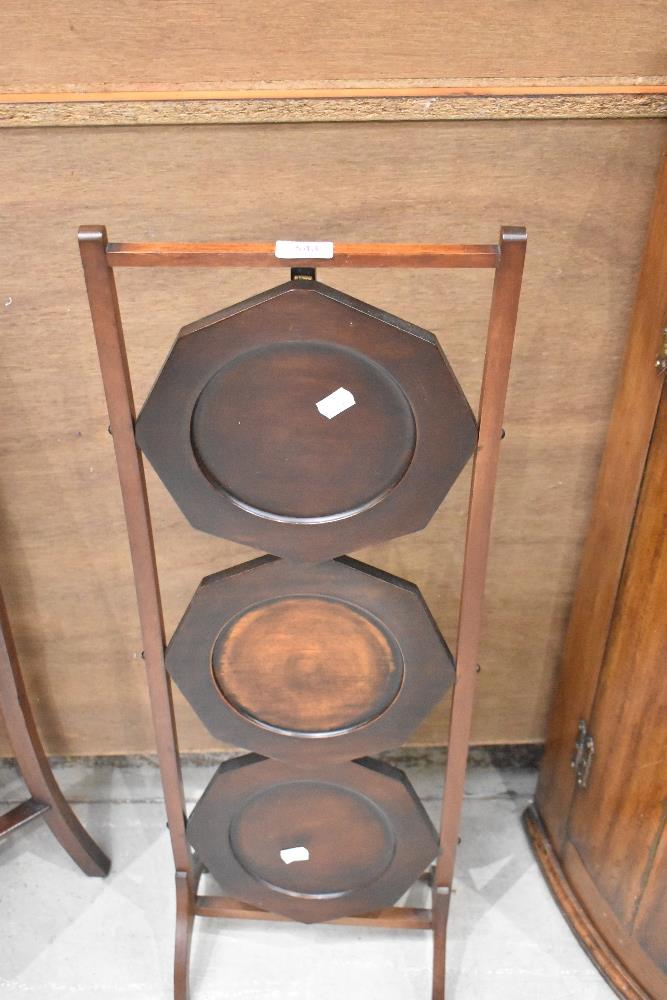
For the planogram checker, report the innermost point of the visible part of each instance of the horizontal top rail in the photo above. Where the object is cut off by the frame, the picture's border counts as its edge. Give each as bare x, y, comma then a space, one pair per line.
263, 255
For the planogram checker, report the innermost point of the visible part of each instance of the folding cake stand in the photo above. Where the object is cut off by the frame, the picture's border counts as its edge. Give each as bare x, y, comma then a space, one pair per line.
306, 423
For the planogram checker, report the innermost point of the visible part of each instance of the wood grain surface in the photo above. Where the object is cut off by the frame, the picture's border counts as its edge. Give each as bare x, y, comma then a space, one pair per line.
628, 968
651, 917
160, 44
616, 825
271, 663
273, 654
595, 945
233, 429
613, 512
584, 190
360, 834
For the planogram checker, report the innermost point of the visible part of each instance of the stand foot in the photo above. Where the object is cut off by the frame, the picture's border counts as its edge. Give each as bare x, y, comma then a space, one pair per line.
185, 915
187, 884
440, 897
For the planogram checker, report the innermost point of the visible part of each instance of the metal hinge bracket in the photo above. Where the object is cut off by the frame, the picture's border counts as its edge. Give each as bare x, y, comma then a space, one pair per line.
303, 274
582, 758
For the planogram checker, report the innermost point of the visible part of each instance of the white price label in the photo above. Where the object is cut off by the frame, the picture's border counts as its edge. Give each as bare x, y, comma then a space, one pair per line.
291, 854
335, 403
291, 250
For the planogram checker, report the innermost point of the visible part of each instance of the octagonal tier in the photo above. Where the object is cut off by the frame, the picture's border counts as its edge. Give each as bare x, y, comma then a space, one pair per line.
306, 423
309, 663
345, 839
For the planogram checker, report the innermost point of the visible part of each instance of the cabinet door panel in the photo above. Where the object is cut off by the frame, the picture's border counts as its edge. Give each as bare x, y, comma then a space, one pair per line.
632, 421
616, 821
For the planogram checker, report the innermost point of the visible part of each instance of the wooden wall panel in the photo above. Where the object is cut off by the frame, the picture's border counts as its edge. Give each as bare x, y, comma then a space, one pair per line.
167, 44
584, 190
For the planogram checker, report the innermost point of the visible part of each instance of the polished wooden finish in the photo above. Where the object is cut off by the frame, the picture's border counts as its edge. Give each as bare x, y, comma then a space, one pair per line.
497, 360
46, 798
604, 823
616, 829
391, 917
614, 507
118, 391
251, 669
615, 825
234, 429
263, 255
21, 815
186, 890
365, 834
440, 899
651, 916
108, 330
638, 969
596, 946
309, 664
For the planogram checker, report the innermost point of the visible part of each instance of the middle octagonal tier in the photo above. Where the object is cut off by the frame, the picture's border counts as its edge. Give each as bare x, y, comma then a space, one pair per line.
306, 423
309, 663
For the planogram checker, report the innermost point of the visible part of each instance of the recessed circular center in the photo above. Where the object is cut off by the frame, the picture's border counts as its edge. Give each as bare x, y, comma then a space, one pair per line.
259, 434
308, 665
312, 838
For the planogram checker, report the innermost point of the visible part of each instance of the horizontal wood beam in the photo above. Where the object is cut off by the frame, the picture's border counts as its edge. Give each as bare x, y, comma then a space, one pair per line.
263, 255
21, 815
279, 104
405, 917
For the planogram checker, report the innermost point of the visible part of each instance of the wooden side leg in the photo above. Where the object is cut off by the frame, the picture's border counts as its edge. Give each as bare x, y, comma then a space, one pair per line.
187, 884
33, 762
185, 915
440, 913
500, 339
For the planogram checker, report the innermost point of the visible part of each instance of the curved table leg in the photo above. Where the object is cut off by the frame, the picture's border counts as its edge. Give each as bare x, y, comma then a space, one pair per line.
33, 762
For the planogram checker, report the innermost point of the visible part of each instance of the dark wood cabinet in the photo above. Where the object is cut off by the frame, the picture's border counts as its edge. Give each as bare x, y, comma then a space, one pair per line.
598, 824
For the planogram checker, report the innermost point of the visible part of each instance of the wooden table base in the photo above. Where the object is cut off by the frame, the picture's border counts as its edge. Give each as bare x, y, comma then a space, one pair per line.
46, 799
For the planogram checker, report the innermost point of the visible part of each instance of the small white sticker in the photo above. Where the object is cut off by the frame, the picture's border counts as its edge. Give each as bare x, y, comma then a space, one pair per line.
292, 854
291, 250
335, 403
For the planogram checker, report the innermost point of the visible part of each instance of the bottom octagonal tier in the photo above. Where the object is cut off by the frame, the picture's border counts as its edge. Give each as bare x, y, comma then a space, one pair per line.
341, 840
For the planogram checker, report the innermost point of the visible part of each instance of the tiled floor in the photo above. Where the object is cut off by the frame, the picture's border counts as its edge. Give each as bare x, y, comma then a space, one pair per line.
64, 936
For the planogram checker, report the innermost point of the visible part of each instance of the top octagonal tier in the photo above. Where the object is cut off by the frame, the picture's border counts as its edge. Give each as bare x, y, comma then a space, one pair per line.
306, 423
